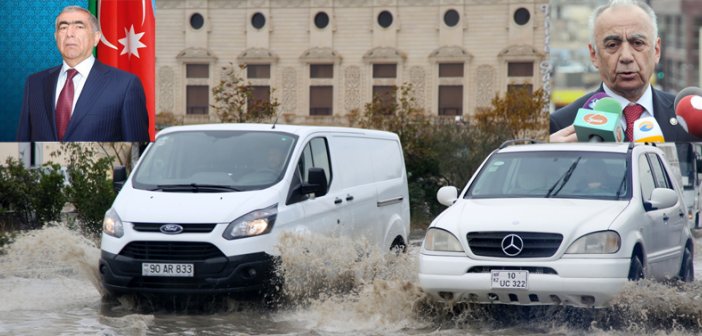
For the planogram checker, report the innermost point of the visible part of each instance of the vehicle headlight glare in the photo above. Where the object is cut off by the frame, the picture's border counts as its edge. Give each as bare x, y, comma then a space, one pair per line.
254, 223
603, 242
441, 240
112, 224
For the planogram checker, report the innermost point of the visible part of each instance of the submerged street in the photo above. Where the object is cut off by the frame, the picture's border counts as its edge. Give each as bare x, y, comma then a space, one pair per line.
49, 285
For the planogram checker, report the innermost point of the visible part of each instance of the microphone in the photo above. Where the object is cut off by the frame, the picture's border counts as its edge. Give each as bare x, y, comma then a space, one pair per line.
688, 108
600, 123
647, 130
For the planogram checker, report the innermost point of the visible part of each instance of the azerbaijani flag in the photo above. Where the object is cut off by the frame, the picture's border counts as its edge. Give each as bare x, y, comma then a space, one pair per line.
128, 42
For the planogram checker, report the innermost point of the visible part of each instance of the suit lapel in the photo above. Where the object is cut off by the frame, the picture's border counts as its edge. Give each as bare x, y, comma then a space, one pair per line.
50, 98
663, 112
97, 81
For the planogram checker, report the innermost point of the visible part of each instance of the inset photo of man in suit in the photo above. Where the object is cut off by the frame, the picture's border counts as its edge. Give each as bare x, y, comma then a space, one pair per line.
625, 48
82, 99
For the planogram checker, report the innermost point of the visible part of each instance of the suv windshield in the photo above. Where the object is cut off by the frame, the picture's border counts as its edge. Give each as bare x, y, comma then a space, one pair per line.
588, 175
215, 161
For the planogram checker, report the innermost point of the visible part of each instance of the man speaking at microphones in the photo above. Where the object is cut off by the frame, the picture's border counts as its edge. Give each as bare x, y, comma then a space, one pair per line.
625, 48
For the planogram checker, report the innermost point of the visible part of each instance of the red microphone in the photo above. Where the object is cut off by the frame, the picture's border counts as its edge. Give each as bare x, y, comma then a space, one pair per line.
688, 108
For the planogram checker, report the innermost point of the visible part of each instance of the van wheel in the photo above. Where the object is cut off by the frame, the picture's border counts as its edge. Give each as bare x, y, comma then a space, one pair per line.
636, 269
687, 269
398, 246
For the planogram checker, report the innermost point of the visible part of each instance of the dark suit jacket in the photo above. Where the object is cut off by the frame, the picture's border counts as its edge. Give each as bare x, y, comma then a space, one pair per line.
662, 107
111, 107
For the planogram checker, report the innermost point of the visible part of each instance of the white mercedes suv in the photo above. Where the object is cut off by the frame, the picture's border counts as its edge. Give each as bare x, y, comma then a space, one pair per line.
548, 224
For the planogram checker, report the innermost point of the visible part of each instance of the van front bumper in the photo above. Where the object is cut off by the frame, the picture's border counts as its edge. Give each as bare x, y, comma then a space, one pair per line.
586, 282
243, 273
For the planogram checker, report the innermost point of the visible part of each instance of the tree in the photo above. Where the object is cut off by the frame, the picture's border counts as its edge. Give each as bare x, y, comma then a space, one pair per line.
520, 113
235, 101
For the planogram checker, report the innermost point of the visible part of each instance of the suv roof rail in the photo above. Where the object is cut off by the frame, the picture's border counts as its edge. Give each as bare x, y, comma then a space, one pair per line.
518, 141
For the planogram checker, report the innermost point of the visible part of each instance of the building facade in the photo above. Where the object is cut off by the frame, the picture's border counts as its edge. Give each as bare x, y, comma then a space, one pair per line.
321, 59
679, 24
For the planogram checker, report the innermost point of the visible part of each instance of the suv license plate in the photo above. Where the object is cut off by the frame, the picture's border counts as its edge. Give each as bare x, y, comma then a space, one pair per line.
167, 270
510, 279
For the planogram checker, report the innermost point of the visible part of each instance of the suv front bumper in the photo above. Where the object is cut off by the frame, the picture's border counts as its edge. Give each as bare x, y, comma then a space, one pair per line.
582, 282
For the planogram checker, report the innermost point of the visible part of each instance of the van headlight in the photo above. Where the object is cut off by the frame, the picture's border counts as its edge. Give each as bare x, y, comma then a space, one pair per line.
441, 240
112, 224
254, 223
596, 243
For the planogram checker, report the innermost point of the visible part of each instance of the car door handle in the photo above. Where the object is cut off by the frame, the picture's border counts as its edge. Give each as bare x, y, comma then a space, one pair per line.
681, 215
338, 200
349, 198
665, 218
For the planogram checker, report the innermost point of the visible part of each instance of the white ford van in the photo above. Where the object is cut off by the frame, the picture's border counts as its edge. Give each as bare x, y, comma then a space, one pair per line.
204, 206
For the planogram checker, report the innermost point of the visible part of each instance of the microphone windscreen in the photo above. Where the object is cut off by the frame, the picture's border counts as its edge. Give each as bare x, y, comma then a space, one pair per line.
688, 91
647, 130
689, 112
590, 103
608, 104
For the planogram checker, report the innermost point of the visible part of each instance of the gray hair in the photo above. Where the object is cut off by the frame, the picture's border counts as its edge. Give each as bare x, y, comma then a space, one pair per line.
615, 3
93, 20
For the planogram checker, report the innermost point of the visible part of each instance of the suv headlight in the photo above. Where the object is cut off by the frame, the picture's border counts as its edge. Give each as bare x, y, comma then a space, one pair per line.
254, 223
441, 240
112, 224
596, 243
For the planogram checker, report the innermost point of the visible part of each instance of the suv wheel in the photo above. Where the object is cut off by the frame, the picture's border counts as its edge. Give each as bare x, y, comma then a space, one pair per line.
636, 270
687, 269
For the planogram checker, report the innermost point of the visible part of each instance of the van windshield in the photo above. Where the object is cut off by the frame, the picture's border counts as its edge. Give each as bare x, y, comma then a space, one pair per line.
551, 174
215, 161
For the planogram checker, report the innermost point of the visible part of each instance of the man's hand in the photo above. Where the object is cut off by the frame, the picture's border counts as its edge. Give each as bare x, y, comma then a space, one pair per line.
564, 135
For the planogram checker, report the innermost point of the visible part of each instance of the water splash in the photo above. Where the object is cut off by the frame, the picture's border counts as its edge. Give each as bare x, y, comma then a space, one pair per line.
48, 268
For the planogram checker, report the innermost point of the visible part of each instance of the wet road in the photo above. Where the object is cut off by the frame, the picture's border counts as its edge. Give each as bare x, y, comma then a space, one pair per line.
49, 286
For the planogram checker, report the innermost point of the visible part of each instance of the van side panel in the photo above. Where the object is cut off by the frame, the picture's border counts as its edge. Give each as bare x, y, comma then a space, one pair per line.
393, 196
374, 187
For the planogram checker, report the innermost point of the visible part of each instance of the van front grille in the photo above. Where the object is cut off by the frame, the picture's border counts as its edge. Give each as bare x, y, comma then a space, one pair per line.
171, 251
187, 228
533, 244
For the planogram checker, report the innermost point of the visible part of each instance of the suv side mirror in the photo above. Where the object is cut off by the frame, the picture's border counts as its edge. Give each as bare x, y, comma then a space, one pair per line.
317, 184
661, 198
119, 176
447, 195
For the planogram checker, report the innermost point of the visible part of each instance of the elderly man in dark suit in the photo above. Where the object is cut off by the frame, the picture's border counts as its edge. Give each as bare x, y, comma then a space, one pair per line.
83, 99
625, 48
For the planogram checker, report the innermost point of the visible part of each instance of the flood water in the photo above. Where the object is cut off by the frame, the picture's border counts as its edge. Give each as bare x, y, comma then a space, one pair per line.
49, 285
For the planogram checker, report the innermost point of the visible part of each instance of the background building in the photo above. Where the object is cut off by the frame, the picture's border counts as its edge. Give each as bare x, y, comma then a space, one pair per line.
323, 58
679, 24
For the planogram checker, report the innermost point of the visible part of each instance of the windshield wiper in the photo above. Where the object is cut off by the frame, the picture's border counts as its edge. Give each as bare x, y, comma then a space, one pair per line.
563, 179
194, 187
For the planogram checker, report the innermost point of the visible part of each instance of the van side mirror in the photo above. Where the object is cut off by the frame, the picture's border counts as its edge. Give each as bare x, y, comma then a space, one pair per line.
119, 176
447, 195
661, 198
317, 184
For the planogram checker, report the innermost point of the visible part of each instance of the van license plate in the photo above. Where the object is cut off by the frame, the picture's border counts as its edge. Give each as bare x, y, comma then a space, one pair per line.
167, 270
510, 279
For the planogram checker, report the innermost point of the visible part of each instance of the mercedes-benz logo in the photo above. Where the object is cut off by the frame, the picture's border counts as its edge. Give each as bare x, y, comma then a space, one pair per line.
512, 245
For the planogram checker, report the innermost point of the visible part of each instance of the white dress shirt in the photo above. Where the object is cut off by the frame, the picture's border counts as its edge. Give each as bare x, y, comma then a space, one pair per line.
79, 79
646, 100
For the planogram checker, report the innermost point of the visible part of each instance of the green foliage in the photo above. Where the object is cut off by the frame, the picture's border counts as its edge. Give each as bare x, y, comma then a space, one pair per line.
235, 102
49, 198
17, 185
33, 196
90, 190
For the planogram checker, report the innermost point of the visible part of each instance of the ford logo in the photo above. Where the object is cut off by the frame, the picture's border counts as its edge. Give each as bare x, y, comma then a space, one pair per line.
171, 228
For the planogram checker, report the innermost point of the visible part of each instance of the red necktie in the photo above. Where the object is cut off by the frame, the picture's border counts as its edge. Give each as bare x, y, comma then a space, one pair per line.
631, 114
65, 104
